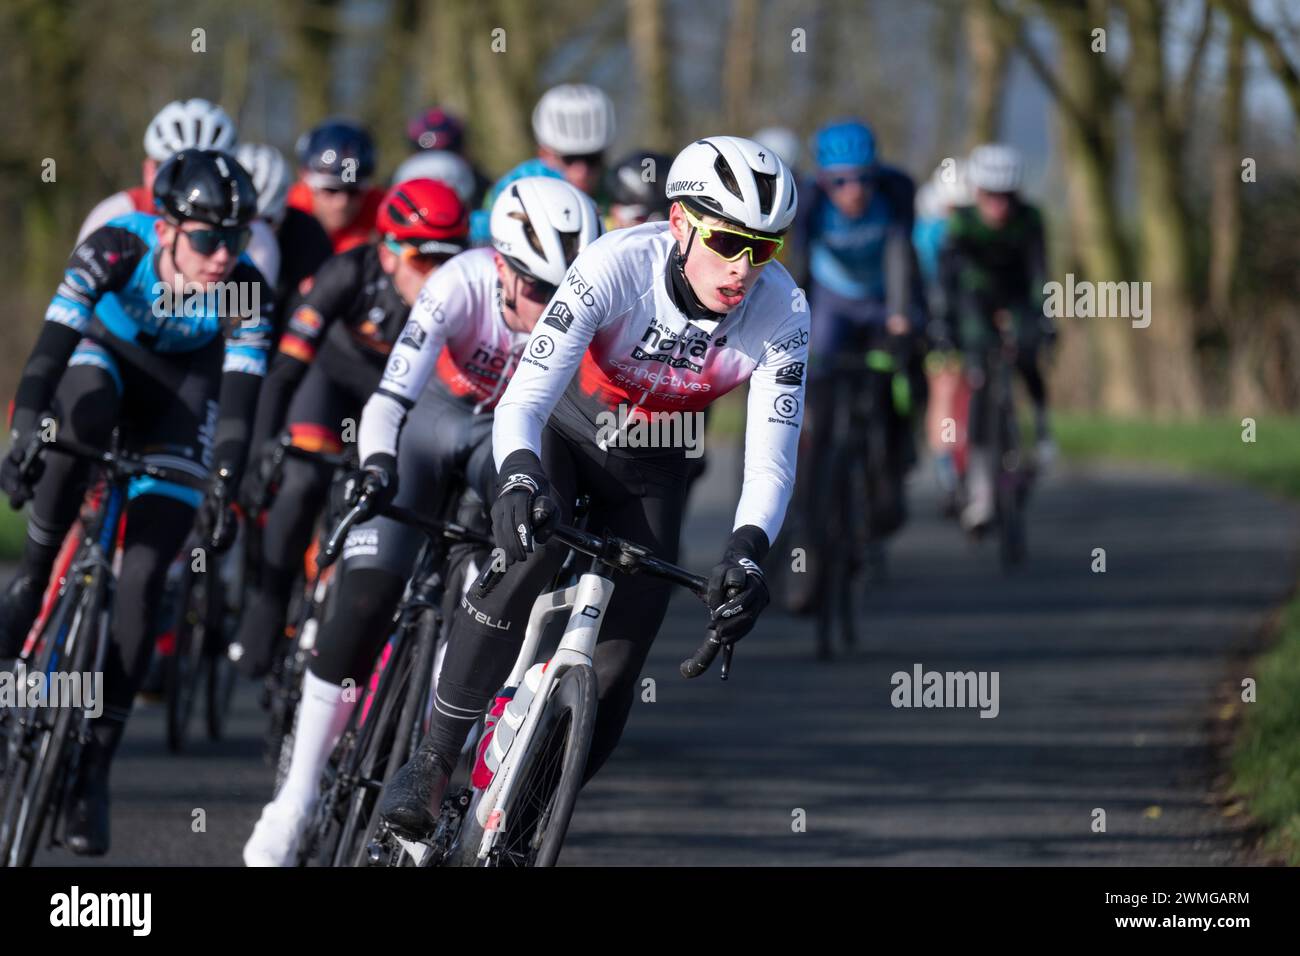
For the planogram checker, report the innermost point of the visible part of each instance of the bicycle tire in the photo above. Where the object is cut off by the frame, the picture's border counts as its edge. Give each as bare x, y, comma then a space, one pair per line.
566, 724
185, 666
410, 720
48, 760
376, 744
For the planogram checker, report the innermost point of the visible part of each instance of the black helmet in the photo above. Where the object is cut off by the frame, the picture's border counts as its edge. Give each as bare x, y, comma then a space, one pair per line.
329, 150
205, 185
638, 180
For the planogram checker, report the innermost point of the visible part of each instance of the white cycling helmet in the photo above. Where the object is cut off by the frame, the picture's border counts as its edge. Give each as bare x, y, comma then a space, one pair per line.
951, 184
781, 141
735, 179
574, 119
193, 124
271, 175
540, 224
995, 168
442, 165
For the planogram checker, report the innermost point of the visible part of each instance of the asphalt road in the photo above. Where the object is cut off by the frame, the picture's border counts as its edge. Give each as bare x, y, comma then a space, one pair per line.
1106, 686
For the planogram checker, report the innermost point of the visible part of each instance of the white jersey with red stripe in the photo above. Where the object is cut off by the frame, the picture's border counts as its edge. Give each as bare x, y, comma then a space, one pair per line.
456, 339
613, 336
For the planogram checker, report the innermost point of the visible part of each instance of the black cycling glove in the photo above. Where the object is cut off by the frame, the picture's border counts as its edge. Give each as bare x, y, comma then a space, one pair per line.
738, 574
521, 485
377, 480
13, 482
215, 522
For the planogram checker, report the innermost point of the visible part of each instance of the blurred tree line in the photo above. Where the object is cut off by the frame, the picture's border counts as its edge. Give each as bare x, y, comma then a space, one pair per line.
1144, 178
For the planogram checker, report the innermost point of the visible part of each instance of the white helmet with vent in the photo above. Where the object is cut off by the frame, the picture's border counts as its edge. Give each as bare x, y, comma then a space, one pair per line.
574, 119
540, 224
736, 179
193, 124
995, 168
271, 176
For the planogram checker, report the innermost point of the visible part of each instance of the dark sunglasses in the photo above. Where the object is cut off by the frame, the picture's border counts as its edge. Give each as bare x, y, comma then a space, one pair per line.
591, 159
535, 289
207, 241
335, 190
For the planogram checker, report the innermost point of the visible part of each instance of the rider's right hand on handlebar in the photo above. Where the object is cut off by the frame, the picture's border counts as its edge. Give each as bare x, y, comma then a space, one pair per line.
525, 510
376, 482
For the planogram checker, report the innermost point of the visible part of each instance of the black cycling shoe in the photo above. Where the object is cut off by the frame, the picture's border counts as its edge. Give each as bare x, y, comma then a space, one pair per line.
410, 802
86, 819
19, 606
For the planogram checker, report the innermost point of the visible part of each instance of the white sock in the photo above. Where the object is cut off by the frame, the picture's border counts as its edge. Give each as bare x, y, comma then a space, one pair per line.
323, 712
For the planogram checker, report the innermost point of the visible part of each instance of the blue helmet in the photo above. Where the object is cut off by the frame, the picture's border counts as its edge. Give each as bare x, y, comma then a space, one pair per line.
336, 151
849, 143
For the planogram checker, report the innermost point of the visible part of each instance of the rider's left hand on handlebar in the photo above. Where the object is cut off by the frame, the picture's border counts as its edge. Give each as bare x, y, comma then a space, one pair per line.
737, 589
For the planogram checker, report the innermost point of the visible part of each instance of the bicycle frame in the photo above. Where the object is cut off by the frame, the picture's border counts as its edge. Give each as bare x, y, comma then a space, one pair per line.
586, 603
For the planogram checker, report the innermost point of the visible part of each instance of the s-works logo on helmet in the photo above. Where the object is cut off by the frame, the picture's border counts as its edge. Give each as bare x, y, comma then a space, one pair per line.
686, 186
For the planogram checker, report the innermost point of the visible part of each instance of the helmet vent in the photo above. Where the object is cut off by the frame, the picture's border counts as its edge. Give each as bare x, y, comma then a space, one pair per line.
766, 190
530, 233
569, 244
727, 177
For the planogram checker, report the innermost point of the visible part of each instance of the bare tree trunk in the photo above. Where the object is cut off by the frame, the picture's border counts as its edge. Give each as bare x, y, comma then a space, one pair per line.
1225, 200
988, 45
651, 54
313, 28
1088, 153
386, 101
498, 60
945, 43
738, 64
1164, 223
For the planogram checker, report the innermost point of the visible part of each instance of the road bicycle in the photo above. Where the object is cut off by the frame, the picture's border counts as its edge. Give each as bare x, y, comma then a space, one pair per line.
393, 717
1014, 470
521, 816
282, 689
43, 744
209, 599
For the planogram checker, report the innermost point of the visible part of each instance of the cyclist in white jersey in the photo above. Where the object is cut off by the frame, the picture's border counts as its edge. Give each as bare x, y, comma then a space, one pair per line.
425, 432
658, 318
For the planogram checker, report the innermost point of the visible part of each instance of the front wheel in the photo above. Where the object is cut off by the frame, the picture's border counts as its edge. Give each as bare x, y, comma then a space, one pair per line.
185, 667
550, 775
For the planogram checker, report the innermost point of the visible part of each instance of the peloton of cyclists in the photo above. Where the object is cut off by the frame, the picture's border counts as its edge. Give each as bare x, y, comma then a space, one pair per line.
426, 433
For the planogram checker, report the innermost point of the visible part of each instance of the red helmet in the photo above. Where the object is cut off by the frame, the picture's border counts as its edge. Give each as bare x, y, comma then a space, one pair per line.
426, 214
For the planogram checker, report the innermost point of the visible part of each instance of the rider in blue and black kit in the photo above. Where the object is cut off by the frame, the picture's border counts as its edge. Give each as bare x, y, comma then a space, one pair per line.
861, 279
177, 380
